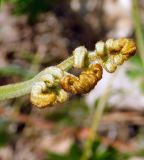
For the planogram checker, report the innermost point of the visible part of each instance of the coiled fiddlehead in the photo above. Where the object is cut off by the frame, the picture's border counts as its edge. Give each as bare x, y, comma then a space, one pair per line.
114, 52
46, 92
85, 82
108, 55
39, 98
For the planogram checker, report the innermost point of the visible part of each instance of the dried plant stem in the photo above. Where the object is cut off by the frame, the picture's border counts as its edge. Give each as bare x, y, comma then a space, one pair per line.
138, 29
95, 122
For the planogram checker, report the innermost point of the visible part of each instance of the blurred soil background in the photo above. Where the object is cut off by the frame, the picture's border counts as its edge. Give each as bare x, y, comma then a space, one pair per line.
35, 34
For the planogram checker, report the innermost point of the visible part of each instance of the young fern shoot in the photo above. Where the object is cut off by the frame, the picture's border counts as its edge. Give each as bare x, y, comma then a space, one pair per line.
52, 84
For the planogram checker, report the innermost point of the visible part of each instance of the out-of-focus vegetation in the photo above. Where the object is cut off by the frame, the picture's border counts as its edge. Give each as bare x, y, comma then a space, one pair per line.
136, 72
61, 132
32, 7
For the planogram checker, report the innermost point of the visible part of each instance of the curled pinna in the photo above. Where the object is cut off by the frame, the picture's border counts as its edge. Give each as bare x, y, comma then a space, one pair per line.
42, 99
46, 92
118, 51
85, 82
112, 53
39, 97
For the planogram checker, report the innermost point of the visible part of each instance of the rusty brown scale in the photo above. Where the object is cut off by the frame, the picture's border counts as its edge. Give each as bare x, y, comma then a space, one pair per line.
85, 82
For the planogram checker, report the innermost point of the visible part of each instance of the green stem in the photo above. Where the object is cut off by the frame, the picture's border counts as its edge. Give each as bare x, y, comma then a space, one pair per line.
15, 90
23, 88
138, 29
67, 64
